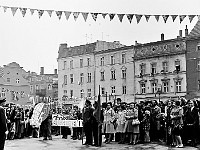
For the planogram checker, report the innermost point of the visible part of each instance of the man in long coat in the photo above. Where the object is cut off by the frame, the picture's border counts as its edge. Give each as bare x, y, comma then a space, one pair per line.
3, 124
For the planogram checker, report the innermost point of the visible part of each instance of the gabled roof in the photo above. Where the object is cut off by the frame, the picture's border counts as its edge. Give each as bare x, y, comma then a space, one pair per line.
196, 30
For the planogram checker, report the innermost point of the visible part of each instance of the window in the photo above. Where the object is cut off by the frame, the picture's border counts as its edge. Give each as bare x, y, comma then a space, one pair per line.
165, 66
65, 79
65, 92
177, 65
49, 87
65, 65
154, 87
31, 89
81, 63
42, 86
88, 62
198, 65
102, 76
123, 58
8, 79
71, 93
113, 75
37, 87
3, 92
199, 85
89, 77
89, 92
165, 87
82, 93
103, 91
153, 68
123, 89
112, 60
71, 64
102, 61
143, 88
178, 86
124, 74
17, 80
142, 69
198, 47
81, 77
113, 89
71, 79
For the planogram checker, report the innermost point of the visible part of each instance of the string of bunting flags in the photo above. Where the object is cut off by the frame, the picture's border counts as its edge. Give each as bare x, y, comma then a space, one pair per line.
85, 15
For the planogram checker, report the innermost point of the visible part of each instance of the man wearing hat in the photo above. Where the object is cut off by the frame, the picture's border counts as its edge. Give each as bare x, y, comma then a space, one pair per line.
87, 122
3, 124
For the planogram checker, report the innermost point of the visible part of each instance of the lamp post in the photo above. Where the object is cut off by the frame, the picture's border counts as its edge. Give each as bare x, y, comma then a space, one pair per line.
159, 91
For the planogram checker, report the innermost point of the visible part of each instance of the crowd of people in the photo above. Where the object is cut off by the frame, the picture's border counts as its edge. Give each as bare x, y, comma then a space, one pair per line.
174, 122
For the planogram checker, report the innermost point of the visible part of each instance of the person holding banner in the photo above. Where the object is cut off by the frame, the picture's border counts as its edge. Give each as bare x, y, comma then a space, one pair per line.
87, 122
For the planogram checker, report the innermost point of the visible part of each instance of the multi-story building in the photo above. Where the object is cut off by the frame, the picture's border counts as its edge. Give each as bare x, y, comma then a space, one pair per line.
77, 70
193, 62
14, 84
160, 69
43, 87
114, 74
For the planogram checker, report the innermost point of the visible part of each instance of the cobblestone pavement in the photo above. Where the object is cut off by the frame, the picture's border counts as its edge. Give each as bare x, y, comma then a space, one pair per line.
68, 144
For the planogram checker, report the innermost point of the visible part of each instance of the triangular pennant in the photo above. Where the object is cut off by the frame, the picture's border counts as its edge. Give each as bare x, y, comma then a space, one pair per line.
120, 16
130, 17
85, 15
182, 17
104, 15
94, 16
23, 11
59, 14
191, 17
5, 8
50, 12
174, 17
40, 13
165, 17
147, 17
157, 17
75, 14
111, 16
32, 11
138, 17
13, 9
67, 14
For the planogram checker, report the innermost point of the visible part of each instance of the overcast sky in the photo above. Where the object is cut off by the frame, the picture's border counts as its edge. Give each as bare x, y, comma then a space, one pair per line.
34, 42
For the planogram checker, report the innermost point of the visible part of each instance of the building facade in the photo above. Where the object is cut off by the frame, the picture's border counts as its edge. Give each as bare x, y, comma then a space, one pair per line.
77, 69
193, 62
14, 85
43, 87
160, 69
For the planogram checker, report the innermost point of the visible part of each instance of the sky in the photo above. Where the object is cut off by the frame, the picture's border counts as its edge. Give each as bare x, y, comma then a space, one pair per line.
34, 42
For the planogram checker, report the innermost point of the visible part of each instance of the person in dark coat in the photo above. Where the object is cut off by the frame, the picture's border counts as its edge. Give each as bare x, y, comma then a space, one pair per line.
47, 127
97, 124
191, 122
87, 122
3, 124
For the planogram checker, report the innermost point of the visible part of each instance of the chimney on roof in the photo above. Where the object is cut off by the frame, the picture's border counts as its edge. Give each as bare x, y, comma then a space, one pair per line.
186, 31
55, 71
41, 70
162, 37
180, 33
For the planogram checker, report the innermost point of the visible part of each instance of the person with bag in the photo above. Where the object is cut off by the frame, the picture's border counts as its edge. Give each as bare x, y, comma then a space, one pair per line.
177, 123
132, 126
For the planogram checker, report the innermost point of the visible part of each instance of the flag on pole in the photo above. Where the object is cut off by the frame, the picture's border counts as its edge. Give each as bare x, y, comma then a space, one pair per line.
99, 118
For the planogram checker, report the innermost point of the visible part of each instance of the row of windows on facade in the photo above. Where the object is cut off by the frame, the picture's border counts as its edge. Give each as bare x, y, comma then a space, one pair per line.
89, 76
165, 67
89, 91
40, 78
37, 87
102, 61
16, 80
